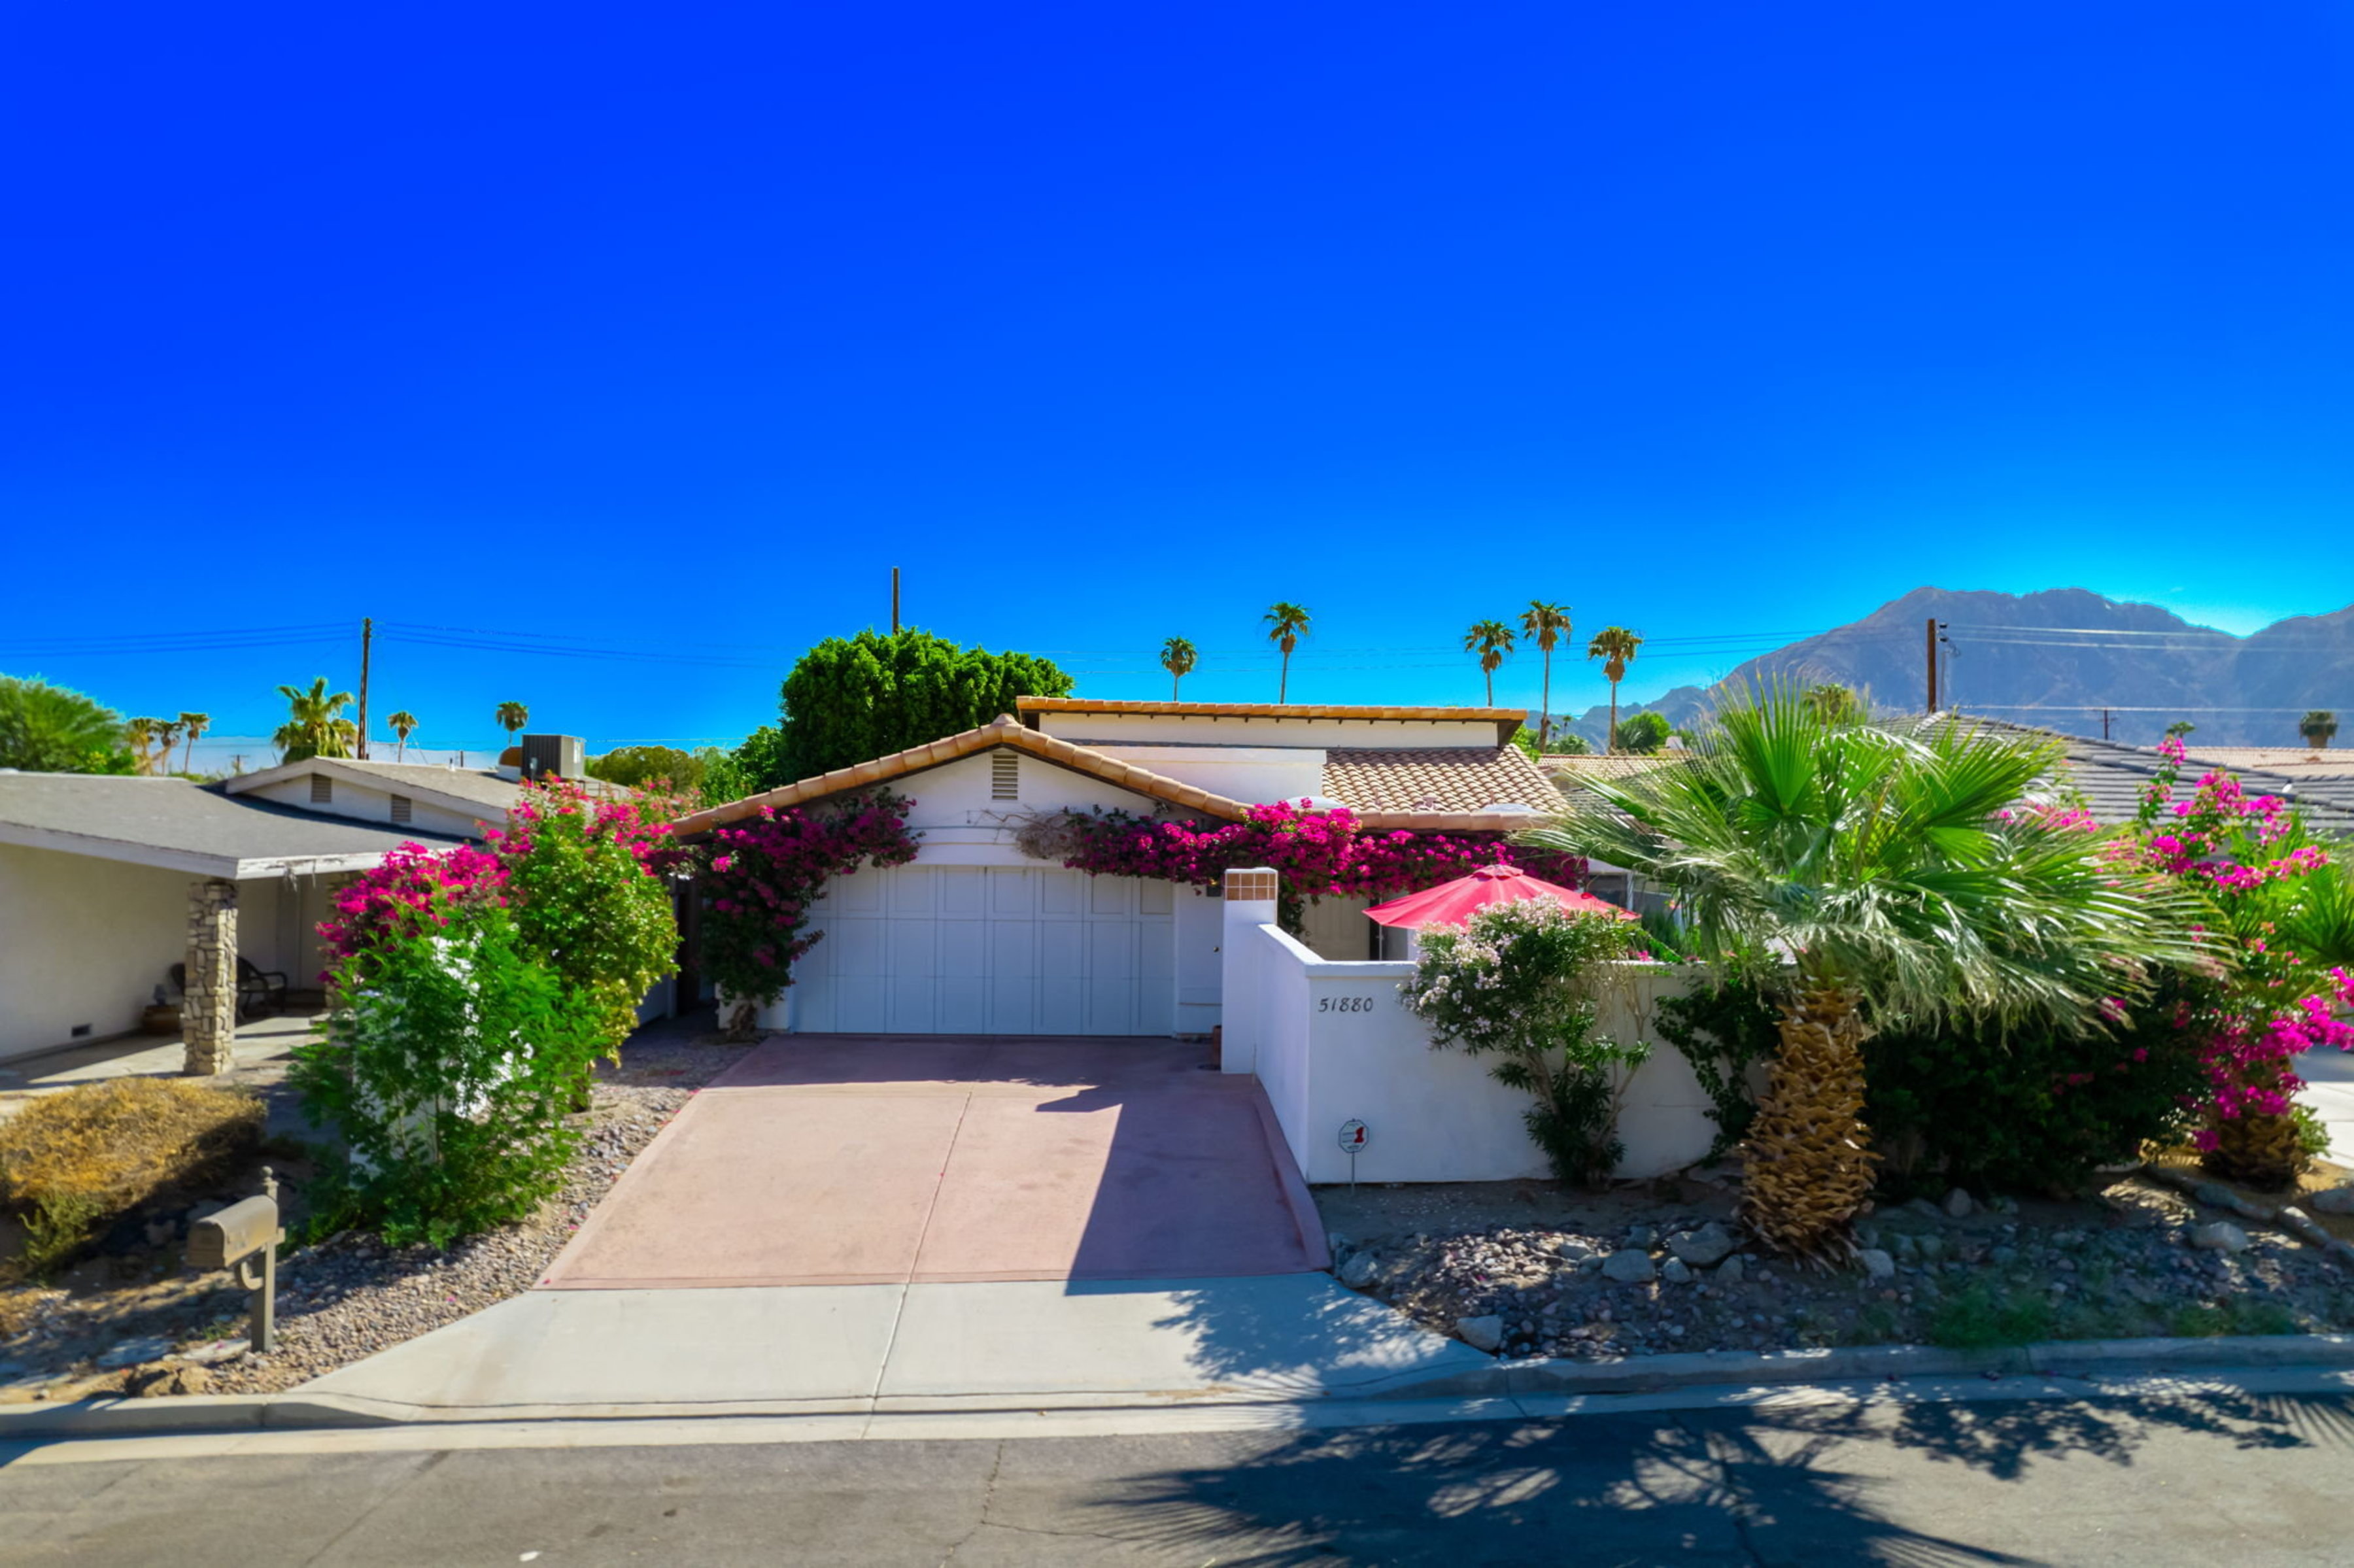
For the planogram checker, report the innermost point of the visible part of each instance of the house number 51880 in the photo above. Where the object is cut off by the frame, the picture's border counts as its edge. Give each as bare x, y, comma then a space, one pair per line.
1344, 1004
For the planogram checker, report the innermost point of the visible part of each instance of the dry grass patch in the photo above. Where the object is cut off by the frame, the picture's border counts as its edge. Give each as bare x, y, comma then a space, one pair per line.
72, 1161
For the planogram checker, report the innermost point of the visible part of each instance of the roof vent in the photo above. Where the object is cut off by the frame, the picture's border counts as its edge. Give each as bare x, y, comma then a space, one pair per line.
1005, 774
402, 807
322, 789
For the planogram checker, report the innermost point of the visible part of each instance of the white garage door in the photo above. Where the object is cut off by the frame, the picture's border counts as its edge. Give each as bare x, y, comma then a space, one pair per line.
920, 949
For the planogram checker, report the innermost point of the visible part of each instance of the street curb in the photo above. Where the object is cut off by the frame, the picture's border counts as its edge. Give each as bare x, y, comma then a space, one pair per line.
191, 1414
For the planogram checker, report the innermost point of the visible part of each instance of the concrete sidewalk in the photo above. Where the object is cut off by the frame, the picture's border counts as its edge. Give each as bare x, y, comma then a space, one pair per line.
1030, 1344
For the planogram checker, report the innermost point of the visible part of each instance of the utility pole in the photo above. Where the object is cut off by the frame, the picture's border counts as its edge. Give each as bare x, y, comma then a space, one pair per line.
2105, 723
368, 632
895, 601
1931, 642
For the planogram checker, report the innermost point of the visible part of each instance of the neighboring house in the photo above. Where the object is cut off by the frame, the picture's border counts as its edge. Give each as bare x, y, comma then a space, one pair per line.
101, 877
975, 937
1570, 775
2111, 776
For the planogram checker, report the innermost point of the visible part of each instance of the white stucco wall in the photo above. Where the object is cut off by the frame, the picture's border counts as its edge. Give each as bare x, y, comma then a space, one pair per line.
1333, 1043
370, 803
82, 942
1251, 774
1206, 729
963, 824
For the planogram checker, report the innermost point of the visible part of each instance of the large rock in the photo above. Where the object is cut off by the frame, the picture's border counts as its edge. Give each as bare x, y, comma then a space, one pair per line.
2219, 1235
1484, 1333
1730, 1271
1959, 1205
1676, 1271
1877, 1264
1359, 1270
1705, 1247
2333, 1201
131, 1352
1632, 1267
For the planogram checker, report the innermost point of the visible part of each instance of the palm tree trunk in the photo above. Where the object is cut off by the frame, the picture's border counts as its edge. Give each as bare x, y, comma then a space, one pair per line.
1807, 1163
1614, 718
1492, 687
1173, 679
1283, 682
2255, 1146
1545, 705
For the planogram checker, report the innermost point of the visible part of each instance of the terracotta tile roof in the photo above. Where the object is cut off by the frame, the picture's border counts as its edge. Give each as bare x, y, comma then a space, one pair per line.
1458, 779
1008, 731
1567, 771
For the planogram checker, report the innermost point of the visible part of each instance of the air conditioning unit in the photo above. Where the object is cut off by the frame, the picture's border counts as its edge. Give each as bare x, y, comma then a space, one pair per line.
553, 756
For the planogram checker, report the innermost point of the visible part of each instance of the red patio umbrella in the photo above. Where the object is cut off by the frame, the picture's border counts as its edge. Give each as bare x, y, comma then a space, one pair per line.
1451, 903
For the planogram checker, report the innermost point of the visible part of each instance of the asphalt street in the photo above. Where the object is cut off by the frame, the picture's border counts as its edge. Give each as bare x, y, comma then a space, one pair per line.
2181, 1475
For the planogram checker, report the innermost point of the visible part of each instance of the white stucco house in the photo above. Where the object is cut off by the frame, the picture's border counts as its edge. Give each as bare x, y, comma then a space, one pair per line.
97, 873
975, 937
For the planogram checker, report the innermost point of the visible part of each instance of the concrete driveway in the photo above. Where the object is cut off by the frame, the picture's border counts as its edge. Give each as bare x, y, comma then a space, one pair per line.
864, 1160
869, 1225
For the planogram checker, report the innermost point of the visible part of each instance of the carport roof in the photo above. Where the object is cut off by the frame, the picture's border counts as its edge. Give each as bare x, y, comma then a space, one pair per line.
182, 826
1010, 733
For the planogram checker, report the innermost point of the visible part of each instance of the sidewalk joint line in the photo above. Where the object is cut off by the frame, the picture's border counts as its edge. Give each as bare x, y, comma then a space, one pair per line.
923, 1234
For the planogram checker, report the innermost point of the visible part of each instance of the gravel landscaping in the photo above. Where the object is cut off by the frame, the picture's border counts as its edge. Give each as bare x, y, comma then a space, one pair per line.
138, 1322
1524, 1271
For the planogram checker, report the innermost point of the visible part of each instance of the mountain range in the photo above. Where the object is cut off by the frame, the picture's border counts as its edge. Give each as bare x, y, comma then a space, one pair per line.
2060, 658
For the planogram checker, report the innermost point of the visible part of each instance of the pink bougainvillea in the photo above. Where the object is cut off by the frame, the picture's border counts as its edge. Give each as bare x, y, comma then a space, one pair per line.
766, 872
1320, 853
2270, 1004
402, 890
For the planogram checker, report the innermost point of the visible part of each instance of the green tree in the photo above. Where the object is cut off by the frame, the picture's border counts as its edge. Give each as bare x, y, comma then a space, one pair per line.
1286, 623
1492, 640
1891, 869
1177, 657
50, 730
1644, 733
1568, 742
1834, 703
850, 700
1615, 647
404, 724
635, 767
512, 717
2318, 727
193, 725
316, 726
1546, 625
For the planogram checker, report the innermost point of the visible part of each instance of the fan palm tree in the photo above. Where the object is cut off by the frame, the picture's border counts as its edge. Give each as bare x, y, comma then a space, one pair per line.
1546, 624
403, 724
2318, 727
167, 741
512, 717
143, 733
1177, 657
1492, 640
316, 726
1287, 624
1615, 646
1886, 866
1834, 703
193, 725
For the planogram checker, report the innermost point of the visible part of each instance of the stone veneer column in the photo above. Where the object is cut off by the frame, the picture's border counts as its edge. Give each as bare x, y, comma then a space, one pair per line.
208, 1010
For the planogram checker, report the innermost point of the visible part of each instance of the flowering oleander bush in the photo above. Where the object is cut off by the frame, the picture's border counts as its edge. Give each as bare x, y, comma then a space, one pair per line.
2282, 932
1522, 982
445, 1065
1321, 854
766, 872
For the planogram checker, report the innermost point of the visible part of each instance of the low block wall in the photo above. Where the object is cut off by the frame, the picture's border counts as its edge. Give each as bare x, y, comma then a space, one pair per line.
1333, 1043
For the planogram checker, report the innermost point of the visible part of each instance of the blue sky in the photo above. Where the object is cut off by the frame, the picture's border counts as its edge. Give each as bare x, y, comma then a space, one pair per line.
669, 335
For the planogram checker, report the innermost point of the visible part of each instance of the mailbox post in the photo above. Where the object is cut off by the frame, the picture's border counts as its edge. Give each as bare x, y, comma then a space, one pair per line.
244, 1238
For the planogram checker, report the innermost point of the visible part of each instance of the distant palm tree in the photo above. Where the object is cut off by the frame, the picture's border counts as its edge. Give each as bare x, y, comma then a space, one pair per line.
316, 726
143, 733
1546, 624
193, 725
513, 716
1615, 646
1287, 624
1832, 703
167, 741
404, 724
1177, 657
2318, 727
1492, 639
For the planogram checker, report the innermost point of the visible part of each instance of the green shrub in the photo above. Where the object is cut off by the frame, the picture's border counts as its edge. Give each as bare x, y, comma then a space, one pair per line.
1723, 1030
2037, 1109
1981, 1318
1520, 982
446, 1067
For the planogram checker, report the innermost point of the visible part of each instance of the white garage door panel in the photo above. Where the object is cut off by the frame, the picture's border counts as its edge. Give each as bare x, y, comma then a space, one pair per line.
989, 950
